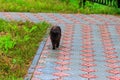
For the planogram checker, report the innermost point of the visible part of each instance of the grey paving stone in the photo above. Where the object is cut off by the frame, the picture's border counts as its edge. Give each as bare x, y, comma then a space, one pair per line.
75, 56
16, 16
63, 18
32, 17
47, 18
2, 16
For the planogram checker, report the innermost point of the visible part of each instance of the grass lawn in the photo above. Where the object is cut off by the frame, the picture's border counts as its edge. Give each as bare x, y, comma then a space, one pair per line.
55, 6
37, 6
19, 42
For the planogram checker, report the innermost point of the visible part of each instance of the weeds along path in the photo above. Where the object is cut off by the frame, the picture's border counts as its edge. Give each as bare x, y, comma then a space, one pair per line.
89, 48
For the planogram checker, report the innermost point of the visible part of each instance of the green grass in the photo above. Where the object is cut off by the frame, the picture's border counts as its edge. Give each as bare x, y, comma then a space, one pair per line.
18, 44
55, 6
37, 6
95, 8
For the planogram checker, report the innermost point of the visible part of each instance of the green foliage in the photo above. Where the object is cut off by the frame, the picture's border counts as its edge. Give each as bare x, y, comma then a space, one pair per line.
94, 8
30, 29
57, 6
72, 2
13, 78
6, 43
14, 61
39, 6
18, 44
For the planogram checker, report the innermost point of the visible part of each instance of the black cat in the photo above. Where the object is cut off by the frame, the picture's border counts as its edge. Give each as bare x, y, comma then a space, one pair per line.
55, 36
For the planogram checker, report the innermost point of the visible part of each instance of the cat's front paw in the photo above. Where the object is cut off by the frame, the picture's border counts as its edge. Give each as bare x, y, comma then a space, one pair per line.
53, 48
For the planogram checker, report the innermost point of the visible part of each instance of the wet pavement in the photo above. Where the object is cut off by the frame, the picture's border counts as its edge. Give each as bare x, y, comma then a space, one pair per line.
89, 48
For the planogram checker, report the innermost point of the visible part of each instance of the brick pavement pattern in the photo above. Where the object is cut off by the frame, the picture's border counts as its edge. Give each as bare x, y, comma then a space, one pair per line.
89, 48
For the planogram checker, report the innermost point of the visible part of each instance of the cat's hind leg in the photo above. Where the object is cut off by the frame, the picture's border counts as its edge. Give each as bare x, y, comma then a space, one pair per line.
58, 43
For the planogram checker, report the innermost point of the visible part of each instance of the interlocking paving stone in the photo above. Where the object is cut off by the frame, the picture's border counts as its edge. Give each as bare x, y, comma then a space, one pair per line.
2, 16
89, 49
16, 17
32, 17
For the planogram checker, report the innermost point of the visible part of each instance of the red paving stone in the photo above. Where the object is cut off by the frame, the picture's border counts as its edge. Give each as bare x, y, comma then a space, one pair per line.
89, 47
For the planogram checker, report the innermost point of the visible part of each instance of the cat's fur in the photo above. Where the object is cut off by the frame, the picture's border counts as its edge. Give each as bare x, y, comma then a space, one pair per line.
55, 36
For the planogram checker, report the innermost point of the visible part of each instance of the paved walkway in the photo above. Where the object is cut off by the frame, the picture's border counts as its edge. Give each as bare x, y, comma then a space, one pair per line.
90, 47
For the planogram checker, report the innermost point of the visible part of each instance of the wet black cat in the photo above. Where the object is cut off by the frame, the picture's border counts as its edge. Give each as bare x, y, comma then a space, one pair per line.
55, 36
